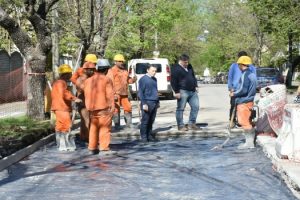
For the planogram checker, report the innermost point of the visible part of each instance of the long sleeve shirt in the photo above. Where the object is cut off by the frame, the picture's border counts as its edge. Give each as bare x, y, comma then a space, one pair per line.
120, 79
61, 96
247, 89
148, 89
235, 74
183, 79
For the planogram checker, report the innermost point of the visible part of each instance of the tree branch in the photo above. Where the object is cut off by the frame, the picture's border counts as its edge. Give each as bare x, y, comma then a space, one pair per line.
20, 38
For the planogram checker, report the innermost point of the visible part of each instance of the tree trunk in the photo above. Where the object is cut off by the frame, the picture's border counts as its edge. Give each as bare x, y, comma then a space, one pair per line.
36, 85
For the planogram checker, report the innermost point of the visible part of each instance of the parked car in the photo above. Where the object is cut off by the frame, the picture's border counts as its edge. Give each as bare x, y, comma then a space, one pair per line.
268, 76
138, 67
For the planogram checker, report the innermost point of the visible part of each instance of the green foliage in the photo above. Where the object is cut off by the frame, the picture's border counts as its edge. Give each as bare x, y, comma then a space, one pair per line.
16, 127
137, 25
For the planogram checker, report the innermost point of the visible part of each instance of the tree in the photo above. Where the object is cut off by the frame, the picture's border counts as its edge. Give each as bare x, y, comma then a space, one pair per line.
281, 20
230, 27
94, 20
34, 48
145, 26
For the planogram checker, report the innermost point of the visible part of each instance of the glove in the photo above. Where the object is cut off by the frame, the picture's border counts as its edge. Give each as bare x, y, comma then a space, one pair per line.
116, 98
78, 100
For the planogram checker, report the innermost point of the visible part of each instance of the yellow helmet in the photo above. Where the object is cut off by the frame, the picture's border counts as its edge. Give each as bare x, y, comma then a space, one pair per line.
91, 58
64, 68
244, 60
119, 57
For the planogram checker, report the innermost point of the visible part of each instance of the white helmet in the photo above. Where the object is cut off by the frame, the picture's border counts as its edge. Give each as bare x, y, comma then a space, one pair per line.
102, 64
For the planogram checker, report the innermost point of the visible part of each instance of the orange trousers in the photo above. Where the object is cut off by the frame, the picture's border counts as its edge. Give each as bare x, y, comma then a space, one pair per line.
100, 129
123, 101
63, 121
243, 115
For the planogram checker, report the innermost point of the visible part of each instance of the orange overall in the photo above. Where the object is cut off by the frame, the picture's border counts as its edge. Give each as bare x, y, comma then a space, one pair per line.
120, 79
61, 105
77, 79
99, 100
243, 115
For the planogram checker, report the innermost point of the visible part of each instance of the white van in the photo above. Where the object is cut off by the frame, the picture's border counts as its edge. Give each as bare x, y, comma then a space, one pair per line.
138, 67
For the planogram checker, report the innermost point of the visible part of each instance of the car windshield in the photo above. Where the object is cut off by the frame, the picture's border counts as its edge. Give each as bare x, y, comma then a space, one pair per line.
141, 68
266, 72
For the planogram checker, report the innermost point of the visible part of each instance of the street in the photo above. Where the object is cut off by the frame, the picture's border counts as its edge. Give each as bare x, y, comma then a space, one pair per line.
172, 168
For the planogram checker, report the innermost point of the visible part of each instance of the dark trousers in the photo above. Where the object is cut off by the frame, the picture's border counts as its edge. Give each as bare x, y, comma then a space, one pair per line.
232, 105
148, 119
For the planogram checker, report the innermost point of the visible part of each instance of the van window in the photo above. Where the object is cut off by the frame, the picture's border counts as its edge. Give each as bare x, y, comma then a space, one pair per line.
141, 68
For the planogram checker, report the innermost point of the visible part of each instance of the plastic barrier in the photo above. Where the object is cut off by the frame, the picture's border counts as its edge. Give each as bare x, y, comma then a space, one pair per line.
288, 143
272, 103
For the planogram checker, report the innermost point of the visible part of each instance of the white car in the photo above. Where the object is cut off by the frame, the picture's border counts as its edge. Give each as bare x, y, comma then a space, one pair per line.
138, 67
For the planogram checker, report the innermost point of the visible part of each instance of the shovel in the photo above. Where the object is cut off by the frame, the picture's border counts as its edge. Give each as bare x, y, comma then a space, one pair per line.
219, 147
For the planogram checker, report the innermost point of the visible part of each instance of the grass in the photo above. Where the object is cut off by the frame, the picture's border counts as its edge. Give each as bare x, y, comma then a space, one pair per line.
19, 126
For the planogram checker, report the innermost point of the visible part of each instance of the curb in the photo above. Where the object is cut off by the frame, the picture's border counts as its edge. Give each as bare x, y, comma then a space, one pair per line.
17, 156
130, 134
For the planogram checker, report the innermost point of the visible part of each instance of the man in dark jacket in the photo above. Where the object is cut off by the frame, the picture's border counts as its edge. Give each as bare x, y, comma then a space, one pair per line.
184, 84
244, 98
148, 95
234, 75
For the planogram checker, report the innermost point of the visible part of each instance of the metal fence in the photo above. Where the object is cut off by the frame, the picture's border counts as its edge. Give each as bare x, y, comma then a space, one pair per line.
13, 89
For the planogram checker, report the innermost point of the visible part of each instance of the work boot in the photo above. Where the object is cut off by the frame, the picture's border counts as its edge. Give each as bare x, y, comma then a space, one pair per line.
249, 139
62, 146
94, 152
116, 119
70, 142
57, 138
182, 128
193, 127
128, 120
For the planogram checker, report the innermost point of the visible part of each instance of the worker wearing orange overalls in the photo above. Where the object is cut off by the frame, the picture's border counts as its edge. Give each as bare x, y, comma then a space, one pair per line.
99, 100
77, 79
61, 106
120, 78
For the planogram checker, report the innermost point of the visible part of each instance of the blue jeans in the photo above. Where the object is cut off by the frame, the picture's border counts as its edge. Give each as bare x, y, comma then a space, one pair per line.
148, 119
192, 99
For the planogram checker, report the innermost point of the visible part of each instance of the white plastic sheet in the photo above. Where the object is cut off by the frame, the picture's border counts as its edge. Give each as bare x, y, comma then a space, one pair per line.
288, 142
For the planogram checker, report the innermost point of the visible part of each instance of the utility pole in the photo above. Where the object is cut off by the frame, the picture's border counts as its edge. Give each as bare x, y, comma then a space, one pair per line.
55, 41
289, 76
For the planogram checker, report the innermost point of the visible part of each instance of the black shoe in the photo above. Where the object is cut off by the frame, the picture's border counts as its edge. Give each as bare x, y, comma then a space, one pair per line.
152, 138
144, 141
94, 152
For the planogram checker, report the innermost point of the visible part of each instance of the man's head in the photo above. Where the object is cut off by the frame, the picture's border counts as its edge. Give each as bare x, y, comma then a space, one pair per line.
242, 53
244, 62
102, 66
89, 68
119, 60
184, 60
151, 70
65, 71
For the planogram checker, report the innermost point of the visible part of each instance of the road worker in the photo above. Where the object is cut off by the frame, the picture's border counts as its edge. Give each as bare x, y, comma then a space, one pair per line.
99, 100
78, 77
61, 106
120, 78
244, 99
